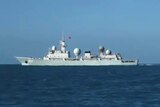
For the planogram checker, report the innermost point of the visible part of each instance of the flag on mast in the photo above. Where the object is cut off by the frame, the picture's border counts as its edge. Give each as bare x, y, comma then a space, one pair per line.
69, 37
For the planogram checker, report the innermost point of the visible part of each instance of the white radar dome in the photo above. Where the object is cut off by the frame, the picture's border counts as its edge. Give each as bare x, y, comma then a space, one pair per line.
77, 51
108, 52
53, 47
101, 49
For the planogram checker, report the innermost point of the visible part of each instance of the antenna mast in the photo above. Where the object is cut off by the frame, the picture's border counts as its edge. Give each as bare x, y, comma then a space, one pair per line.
63, 37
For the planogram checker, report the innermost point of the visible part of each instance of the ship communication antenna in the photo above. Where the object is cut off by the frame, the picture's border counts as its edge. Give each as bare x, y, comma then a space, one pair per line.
63, 37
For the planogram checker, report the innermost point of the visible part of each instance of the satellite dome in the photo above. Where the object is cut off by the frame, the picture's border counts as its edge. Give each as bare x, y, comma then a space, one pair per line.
108, 52
77, 51
101, 49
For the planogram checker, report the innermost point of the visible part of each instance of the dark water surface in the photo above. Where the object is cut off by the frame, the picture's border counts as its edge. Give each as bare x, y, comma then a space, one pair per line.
136, 86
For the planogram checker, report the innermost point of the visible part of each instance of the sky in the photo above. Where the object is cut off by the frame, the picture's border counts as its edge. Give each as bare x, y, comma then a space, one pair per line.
129, 27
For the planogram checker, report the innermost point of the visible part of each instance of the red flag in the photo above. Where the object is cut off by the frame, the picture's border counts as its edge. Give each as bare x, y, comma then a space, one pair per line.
69, 37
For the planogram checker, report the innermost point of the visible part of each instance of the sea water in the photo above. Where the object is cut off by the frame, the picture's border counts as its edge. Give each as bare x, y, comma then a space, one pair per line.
115, 86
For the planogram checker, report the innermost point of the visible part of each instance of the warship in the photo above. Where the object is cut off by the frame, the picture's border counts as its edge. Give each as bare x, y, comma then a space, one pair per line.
62, 57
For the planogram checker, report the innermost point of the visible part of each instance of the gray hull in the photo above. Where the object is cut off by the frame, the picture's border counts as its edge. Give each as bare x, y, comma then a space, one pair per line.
27, 61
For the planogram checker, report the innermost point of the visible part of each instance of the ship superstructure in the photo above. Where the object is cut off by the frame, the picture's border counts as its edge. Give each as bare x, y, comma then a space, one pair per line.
62, 57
